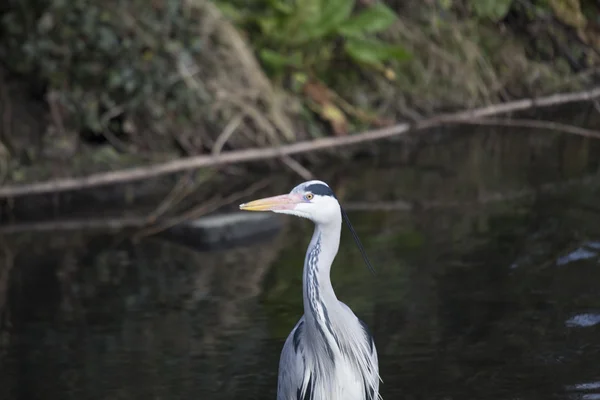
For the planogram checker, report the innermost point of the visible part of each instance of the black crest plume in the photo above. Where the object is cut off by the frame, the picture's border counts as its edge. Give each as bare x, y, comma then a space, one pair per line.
357, 240
324, 190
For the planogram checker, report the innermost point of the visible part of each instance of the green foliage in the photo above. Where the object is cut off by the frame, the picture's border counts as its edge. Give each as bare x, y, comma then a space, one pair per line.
106, 59
374, 19
490, 9
304, 35
371, 51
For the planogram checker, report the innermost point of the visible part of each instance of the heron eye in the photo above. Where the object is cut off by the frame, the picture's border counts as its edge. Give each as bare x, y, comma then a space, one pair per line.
309, 196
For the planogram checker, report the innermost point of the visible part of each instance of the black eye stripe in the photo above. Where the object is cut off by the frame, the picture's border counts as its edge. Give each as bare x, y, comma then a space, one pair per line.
319, 189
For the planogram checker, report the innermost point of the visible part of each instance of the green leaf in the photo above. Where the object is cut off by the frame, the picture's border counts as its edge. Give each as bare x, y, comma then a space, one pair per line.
374, 52
277, 60
282, 6
268, 25
294, 27
492, 9
331, 16
335, 12
374, 19
299, 79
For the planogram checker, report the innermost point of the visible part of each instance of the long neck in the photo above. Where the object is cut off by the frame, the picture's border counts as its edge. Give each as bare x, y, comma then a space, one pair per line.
319, 298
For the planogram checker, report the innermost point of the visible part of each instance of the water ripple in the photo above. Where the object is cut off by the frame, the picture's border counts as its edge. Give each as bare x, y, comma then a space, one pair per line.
585, 387
587, 251
583, 320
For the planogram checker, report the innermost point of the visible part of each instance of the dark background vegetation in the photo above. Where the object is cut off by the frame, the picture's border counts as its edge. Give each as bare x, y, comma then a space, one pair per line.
89, 86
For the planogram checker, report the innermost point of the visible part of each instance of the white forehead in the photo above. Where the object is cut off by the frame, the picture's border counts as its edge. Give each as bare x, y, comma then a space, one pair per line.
301, 187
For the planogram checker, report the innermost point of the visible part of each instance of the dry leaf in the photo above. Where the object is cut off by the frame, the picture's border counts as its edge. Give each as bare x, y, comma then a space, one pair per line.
336, 118
321, 95
389, 74
317, 92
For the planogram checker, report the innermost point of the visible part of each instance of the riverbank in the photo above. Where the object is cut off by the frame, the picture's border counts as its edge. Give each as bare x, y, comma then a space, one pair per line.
90, 88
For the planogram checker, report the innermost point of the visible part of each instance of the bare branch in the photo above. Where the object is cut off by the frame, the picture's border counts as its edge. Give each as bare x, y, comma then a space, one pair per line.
226, 134
532, 123
249, 155
184, 186
100, 224
297, 168
482, 200
120, 223
146, 225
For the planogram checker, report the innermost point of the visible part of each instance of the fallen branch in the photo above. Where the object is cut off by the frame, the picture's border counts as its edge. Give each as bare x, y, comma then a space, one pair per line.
89, 224
121, 223
248, 155
536, 124
148, 225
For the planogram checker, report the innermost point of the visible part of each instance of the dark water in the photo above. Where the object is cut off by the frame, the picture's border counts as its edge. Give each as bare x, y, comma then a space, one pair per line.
487, 248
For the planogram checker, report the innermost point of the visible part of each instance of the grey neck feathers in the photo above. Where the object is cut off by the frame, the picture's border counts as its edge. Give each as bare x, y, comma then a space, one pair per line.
319, 298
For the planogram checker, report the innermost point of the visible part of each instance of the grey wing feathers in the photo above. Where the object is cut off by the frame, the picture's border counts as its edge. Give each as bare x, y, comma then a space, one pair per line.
294, 374
371, 393
368, 334
292, 371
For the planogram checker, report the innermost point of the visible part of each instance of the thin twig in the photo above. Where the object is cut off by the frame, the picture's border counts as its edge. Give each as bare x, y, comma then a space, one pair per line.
248, 155
55, 112
267, 126
179, 192
116, 142
203, 209
226, 134
109, 135
297, 168
532, 123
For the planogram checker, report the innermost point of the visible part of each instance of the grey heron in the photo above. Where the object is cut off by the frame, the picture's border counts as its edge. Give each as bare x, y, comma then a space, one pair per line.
330, 354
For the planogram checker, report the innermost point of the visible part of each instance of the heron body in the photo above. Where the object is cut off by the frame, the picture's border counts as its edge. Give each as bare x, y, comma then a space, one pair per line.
330, 354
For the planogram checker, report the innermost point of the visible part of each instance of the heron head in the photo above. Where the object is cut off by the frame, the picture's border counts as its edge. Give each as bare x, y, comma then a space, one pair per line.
313, 200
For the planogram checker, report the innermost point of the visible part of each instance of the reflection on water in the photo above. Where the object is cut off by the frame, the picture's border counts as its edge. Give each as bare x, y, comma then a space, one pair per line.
494, 300
584, 320
588, 250
585, 391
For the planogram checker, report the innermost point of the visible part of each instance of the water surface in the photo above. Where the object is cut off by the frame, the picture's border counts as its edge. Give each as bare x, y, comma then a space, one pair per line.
487, 250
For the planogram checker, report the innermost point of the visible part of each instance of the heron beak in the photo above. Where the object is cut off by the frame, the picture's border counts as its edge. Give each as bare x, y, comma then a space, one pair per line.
283, 202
